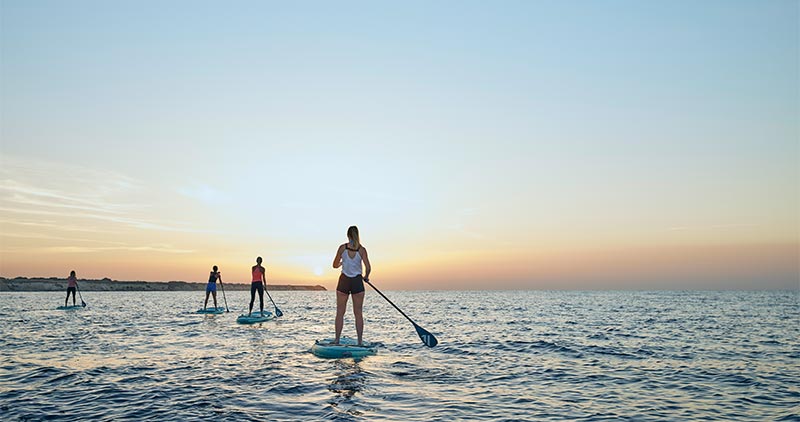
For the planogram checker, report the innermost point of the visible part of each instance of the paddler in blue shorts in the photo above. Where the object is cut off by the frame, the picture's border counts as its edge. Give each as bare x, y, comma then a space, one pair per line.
211, 287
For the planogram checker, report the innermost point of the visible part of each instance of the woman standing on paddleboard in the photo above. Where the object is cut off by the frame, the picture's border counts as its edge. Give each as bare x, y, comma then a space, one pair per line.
259, 280
211, 287
349, 256
72, 286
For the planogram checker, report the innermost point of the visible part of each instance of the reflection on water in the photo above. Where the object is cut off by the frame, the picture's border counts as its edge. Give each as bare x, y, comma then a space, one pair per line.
351, 380
502, 355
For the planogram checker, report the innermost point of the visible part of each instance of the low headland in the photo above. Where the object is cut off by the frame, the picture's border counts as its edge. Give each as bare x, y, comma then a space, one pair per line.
41, 284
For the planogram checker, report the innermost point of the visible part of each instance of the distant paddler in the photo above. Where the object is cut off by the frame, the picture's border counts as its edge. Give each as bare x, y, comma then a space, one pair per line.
72, 287
211, 287
350, 257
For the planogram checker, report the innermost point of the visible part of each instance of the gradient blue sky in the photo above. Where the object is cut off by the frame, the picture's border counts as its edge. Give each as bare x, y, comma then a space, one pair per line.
533, 144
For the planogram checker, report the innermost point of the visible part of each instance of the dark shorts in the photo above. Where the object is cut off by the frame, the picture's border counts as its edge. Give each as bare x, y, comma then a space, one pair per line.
350, 285
257, 287
211, 287
70, 290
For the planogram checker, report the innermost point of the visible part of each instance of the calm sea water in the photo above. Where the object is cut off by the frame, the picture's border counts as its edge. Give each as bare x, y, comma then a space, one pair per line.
502, 356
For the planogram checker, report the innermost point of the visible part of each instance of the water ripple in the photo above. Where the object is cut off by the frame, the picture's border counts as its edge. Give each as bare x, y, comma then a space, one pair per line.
590, 356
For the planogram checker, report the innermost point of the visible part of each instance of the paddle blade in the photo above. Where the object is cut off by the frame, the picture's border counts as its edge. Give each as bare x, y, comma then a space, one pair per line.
427, 338
278, 312
83, 303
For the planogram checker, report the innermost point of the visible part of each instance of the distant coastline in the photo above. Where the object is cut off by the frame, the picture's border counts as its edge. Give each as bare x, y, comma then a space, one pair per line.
41, 284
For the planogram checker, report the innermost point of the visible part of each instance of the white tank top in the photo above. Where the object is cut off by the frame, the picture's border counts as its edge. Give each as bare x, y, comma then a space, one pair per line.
351, 267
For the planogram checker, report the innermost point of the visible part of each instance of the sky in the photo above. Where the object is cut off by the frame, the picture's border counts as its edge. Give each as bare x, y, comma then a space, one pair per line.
476, 145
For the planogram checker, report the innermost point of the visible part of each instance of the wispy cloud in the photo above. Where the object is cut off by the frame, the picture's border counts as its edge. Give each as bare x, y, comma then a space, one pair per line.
94, 245
89, 249
32, 189
43, 236
202, 192
36, 185
460, 229
124, 221
51, 225
713, 227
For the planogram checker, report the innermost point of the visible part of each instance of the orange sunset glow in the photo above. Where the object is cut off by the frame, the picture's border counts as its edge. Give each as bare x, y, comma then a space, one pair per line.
515, 163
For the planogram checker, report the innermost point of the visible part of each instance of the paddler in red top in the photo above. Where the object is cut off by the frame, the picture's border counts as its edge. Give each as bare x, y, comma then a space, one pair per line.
259, 280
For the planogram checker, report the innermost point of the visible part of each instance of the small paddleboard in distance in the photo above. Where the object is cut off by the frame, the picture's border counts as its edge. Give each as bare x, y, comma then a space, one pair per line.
254, 318
210, 311
69, 308
347, 348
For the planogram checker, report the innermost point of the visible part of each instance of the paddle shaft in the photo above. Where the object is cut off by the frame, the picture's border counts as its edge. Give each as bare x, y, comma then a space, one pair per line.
79, 294
277, 311
391, 303
427, 338
222, 286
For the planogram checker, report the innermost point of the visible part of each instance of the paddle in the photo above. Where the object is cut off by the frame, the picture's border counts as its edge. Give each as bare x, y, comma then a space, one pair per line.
223, 295
80, 295
427, 338
278, 312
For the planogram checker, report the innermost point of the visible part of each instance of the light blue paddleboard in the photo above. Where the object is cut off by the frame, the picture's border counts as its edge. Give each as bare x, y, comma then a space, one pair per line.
347, 348
210, 311
254, 318
69, 308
